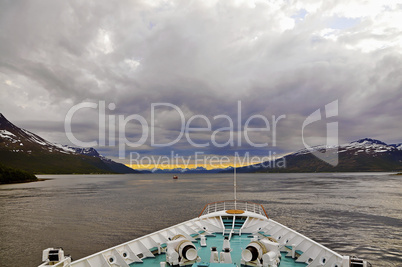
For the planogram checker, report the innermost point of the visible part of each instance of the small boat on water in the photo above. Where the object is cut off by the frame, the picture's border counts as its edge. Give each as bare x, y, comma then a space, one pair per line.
175, 177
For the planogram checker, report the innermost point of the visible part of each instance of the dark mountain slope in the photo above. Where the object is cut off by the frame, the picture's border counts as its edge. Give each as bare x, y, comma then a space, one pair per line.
359, 156
24, 150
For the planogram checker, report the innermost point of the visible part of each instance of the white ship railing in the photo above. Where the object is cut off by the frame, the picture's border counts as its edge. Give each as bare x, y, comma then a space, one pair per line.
233, 205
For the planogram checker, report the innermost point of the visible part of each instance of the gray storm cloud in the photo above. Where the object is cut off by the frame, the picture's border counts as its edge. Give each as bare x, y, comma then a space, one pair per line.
278, 58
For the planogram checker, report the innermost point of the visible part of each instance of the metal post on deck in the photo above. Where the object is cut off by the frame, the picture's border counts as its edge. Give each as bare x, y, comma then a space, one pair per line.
235, 185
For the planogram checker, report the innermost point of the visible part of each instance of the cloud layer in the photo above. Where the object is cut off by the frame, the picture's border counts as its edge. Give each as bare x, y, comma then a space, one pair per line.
276, 57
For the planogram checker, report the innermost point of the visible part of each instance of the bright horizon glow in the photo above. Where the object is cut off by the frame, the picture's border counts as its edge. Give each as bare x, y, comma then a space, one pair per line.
182, 166
209, 163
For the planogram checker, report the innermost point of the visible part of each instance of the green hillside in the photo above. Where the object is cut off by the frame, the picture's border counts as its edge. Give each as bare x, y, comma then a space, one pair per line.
9, 175
51, 163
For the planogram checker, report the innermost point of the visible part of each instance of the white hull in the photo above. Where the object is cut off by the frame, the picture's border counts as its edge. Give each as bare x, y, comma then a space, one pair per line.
211, 221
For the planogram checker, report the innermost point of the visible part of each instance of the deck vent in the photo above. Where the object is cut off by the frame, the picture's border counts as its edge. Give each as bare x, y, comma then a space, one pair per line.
357, 263
54, 255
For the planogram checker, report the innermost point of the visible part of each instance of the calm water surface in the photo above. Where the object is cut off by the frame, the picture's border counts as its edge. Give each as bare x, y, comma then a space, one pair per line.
353, 214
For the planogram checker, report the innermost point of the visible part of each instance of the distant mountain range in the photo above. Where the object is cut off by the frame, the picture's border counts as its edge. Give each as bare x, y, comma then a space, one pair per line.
364, 155
190, 170
27, 151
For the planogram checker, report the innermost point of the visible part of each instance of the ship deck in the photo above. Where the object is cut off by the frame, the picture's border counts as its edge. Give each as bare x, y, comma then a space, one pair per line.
237, 243
242, 222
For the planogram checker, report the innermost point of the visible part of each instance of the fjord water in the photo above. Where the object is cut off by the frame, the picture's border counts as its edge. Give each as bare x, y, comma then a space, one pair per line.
351, 213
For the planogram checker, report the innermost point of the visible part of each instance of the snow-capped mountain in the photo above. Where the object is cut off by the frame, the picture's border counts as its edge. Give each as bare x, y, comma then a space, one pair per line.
362, 155
365, 145
22, 149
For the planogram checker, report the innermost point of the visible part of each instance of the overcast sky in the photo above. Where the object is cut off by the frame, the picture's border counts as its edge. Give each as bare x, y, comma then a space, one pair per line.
276, 57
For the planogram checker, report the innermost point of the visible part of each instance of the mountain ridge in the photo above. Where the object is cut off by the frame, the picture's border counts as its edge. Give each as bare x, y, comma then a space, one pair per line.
22, 149
364, 151
365, 154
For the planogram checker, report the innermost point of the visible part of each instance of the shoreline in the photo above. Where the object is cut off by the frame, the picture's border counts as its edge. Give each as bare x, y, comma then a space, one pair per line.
26, 182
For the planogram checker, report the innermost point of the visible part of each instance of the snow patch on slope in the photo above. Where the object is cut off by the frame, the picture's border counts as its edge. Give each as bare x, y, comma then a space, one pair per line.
65, 148
366, 145
35, 139
6, 134
321, 148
